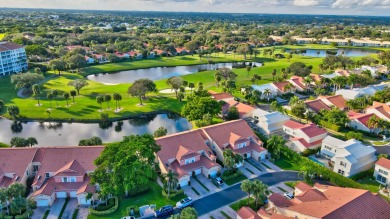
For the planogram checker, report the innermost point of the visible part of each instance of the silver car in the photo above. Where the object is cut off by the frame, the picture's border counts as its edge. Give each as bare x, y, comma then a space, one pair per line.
184, 203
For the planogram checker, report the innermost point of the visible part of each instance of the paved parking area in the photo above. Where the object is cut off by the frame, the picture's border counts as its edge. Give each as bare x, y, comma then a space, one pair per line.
39, 212
218, 215
200, 189
55, 209
70, 207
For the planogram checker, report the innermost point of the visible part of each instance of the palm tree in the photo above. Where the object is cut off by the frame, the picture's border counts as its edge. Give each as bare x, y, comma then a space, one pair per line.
47, 112
247, 186
117, 97
172, 180
32, 141
248, 69
50, 97
267, 93
373, 122
191, 86
273, 74
66, 96
107, 98
275, 144
100, 100
73, 93
284, 73
294, 100
55, 94
259, 190
37, 92
308, 81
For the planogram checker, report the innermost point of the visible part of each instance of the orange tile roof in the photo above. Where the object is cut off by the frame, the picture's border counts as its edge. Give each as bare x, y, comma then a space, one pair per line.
242, 108
247, 213
279, 201
298, 81
51, 186
383, 108
383, 162
338, 101
293, 125
73, 168
221, 96
280, 85
315, 77
317, 105
188, 168
312, 130
303, 186
362, 118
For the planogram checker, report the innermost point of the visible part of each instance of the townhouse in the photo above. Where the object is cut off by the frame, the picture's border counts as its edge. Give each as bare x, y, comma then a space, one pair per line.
195, 152
57, 172
244, 110
359, 121
298, 83
382, 171
382, 110
326, 103
327, 202
221, 96
269, 123
13, 58
304, 137
348, 157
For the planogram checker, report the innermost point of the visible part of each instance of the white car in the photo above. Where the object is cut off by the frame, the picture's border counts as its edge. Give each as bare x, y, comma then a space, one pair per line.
288, 195
184, 203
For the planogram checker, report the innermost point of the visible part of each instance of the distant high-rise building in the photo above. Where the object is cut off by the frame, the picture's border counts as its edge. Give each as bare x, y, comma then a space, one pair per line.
13, 58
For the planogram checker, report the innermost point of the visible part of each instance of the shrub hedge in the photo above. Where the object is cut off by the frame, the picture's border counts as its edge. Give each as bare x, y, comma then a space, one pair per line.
25, 215
230, 176
142, 189
330, 125
136, 210
173, 193
108, 211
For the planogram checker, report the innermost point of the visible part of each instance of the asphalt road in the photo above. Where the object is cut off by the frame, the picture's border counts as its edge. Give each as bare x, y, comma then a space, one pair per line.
234, 193
382, 149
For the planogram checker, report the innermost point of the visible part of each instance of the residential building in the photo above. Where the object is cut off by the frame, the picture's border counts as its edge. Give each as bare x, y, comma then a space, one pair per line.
382, 110
281, 87
328, 202
243, 109
100, 58
359, 121
13, 59
350, 94
187, 154
89, 60
263, 88
122, 55
298, 83
269, 122
316, 105
326, 103
382, 171
221, 96
62, 172
337, 73
247, 213
348, 157
237, 136
304, 137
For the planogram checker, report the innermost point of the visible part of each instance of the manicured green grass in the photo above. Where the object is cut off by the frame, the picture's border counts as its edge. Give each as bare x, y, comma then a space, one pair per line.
244, 202
235, 180
285, 164
154, 196
46, 214
291, 184
370, 184
380, 143
207, 189
196, 191
75, 213
226, 215
2, 35
3, 145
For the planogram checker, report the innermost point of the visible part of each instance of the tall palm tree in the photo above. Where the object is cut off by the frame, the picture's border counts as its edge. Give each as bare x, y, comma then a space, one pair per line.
373, 122
50, 97
294, 100
273, 74
32, 141
247, 186
259, 190
55, 94
172, 180
308, 80
267, 93
73, 93
117, 97
100, 100
66, 96
37, 92
107, 98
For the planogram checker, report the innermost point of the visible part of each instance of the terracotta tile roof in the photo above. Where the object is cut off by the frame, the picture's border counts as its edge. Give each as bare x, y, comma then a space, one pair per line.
251, 147
220, 133
312, 130
305, 143
383, 162
336, 202
5, 46
247, 213
362, 118
293, 125
383, 108
5, 181
176, 145
14, 161
278, 216
73, 168
221, 96
51, 186
338, 101
242, 108
188, 168
279, 201
302, 186
315, 77
298, 81
280, 85
317, 105
52, 160
342, 72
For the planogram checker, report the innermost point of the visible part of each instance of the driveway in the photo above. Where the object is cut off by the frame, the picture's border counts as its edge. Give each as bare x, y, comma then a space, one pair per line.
72, 205
55, 209
218, 215
83, 213
39, 212
382, 149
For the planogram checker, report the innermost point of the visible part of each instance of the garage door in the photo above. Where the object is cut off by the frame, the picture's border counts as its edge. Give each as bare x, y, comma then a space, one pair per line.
42, 203
61, 194
213, 173
198, 171
84, 201
73, 194
183, 183
248, 155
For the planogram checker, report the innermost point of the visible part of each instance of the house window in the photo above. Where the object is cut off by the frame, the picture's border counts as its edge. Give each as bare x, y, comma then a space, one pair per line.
191, 160
384, 172
241, 145
341, 172
35, 168
65, 179
72, 179
343, 164
328, 148
47, 175
381, 178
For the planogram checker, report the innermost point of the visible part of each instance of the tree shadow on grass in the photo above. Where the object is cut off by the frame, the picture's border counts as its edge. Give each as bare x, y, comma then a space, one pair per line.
67, 110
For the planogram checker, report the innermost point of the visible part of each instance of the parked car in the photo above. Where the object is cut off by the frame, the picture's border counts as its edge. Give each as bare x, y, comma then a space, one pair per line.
128, 217
184, 203
219, 181
164, 211
288, 195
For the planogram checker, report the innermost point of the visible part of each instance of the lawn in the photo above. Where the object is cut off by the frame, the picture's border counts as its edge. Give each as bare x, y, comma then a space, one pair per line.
3, 145
244, 202
369, 183
87, 110
154, 196
235, 180
2, 35
286, 164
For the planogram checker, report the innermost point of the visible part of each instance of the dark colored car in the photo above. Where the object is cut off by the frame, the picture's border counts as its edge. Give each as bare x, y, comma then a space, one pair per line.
164, 211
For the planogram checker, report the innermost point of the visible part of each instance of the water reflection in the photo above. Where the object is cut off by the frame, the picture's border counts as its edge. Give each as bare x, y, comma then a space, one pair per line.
66, 134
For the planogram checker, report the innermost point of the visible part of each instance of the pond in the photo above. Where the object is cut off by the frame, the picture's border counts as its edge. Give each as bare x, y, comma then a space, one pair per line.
345, 52
157, 73
69, 134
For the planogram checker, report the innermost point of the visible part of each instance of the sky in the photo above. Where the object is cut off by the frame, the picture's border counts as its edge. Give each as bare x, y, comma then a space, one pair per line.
331, 7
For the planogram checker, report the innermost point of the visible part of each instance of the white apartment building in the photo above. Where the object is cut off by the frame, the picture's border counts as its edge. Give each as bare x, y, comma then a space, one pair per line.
382, 171
12, 58
348, 157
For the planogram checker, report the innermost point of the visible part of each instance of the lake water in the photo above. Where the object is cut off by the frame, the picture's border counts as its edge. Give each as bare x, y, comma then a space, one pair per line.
156, 73
69, 134
345, 52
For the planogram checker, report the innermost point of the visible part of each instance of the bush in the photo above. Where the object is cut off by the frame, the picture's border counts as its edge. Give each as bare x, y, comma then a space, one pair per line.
329, 125
141, 189
108, 211
362, 175
136, 210
244, 202
174, 193
227, 177
103, 206
309, 152
25, 215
